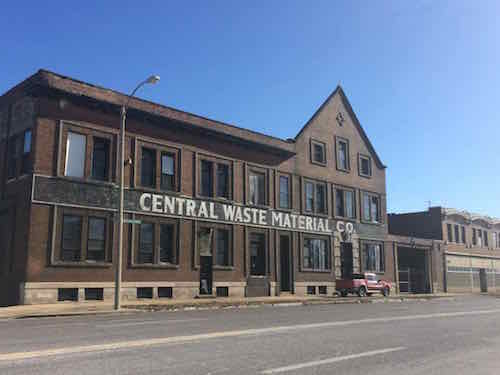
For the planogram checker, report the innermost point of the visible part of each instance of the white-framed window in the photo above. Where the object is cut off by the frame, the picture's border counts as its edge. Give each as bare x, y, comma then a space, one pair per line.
76, 145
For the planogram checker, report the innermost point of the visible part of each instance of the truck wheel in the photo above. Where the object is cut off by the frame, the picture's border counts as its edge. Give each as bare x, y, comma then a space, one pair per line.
343, 293
362, 291
386, 291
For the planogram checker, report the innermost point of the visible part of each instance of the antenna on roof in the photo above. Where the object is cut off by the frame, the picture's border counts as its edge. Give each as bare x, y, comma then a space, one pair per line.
429, 204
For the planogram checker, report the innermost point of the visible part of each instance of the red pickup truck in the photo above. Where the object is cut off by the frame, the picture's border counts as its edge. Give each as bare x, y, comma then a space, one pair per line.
363, 284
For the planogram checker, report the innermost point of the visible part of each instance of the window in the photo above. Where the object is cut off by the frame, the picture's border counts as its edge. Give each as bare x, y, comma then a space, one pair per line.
26, 158
457, 233
146, 243
257, 245
206, 178
167, 243
215, 178
479, 237
344, 203
474, 236
485, 237
315, 197
148, 167
12, 157
76, 146
365, 166
450, 232
284, 198
94, 294
222, 181
371, 207
167, 181
464, 239
343, 154
494, 239
96, 243
216, 240
100, 159
71, 238
257, 188
222, 247
315, 255
373, 257
318, 152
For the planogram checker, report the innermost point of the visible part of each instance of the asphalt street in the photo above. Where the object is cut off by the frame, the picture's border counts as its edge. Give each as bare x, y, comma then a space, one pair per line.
457, 336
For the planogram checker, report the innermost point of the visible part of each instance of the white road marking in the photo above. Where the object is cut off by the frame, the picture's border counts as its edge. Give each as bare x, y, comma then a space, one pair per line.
159, 323
223, 334
331, 360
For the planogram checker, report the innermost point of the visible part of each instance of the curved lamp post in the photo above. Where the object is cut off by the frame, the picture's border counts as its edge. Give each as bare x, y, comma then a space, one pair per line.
118, 277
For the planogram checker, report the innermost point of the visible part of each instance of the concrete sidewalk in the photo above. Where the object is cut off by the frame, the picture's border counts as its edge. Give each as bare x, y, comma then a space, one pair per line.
92, 308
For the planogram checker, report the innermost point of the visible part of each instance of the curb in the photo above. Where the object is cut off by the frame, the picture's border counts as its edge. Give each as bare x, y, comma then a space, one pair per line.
220, 304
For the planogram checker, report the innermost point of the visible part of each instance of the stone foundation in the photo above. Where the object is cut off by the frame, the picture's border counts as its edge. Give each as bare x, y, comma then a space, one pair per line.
40, 293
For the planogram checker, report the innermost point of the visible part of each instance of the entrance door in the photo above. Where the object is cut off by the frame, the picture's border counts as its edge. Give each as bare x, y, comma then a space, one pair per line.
483, 280
285, 266
205, 275
257, 254
346, 260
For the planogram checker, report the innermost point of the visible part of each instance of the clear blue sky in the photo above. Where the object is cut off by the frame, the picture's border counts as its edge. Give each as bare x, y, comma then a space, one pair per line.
422, 76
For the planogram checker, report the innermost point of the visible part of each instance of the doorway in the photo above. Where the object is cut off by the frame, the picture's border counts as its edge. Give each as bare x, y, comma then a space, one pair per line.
257, 254
413, 270
285, 264
346, 259
205, 275
483, 280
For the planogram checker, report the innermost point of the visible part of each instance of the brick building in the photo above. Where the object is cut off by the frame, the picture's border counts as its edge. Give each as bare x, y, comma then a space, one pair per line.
469, 244
212, 208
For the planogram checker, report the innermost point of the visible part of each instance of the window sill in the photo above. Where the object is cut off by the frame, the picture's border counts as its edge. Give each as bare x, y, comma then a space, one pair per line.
222, 268
315, 271
82, 264
343, 170
155, 190
318, 163
345, 218
154, 266
315, 214
215, 199
365, 175
371, 222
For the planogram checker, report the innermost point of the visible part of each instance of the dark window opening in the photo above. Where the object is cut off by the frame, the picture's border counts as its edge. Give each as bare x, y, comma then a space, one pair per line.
167, 243
257, 188
315, 197
96, 244
206, 178
457, 233
145, 292
311, 290
365, 166
284, 198
373, 258
257, 254
342, 154
344, 203
322, 289
222, 291
223, 180
148, 167
315, 255
167, 181
165, 292
26, 165
71, 238
485, 236
222, 247
67, 294
12, 158
464, 239
100, 159
371, 206
146, 241
94, 294
318, 152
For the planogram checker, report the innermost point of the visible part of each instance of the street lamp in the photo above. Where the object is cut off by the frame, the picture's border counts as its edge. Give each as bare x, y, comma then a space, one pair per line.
118, 277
